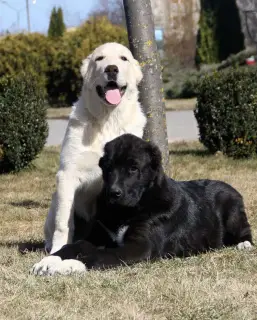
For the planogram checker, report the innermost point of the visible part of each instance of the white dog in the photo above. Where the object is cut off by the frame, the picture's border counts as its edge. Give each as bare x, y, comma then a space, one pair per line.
108, 107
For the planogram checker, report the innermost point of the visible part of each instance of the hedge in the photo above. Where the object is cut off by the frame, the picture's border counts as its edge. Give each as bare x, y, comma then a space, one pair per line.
23, 122
31, 53
226, 112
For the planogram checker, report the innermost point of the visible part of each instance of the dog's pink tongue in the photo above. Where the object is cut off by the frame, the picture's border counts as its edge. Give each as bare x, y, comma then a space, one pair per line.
113, 96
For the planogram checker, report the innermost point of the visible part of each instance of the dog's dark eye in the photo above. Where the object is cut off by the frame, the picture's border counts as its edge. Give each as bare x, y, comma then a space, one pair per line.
124, 58
133, 169
99, 58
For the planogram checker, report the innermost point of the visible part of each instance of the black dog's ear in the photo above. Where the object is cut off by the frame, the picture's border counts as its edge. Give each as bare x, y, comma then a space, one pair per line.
156, 157
156, 163
101, 162
103, 159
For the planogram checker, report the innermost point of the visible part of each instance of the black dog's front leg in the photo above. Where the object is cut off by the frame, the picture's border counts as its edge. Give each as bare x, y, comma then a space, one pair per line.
95, 258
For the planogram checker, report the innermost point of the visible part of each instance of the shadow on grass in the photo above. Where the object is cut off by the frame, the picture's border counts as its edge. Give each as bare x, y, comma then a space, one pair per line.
188, 148
191, 152
29, 204
25, 247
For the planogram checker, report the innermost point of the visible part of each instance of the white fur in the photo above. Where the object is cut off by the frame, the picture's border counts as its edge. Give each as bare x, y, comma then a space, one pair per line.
120, 235
246, 245
53, 265
92, 123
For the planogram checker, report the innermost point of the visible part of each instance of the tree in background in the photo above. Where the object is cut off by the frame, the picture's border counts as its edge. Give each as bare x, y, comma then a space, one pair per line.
52, 23
112, 9
56, 26
229, 35
221, 23
180, 37
60, 22
207, 46
248, 16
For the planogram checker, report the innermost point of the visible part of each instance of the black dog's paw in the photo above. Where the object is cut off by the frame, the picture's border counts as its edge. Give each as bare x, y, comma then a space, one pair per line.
87, 251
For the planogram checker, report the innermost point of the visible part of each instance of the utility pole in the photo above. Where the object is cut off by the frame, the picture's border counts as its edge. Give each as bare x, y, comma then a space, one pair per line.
16, 10
142, 43
28, 17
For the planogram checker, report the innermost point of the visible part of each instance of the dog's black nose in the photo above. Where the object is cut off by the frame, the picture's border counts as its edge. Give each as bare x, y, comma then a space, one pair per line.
112, 72
111, 68
115, 192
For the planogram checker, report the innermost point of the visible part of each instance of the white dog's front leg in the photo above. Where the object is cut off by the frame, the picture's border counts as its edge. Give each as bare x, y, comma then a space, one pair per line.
67, 183
50, 224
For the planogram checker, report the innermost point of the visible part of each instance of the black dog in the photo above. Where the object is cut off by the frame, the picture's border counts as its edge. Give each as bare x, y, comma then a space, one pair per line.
142, 214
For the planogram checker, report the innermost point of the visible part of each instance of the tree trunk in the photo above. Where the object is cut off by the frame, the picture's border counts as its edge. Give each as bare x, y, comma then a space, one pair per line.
140, 27
248, 16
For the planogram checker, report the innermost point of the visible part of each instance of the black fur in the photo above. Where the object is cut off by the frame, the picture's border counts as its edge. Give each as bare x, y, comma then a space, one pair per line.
166, 218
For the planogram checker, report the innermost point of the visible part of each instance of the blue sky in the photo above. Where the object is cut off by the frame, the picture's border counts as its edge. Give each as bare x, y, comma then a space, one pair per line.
75, 11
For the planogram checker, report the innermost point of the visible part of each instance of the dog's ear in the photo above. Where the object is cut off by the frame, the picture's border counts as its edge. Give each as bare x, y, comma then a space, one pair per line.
137, 71
101, 162
85, 66
156, 156
156, 161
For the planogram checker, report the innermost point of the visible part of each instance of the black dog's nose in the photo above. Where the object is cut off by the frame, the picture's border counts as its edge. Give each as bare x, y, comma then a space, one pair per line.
115, 192
112, 72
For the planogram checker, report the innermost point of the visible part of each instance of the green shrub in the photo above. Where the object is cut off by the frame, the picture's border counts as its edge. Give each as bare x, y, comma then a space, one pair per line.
32, 53
180, 84
22, 121
226, 112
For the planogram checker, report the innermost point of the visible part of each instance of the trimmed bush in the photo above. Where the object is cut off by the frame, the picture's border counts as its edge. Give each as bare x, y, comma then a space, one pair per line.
32, 53
23, 122
226, 112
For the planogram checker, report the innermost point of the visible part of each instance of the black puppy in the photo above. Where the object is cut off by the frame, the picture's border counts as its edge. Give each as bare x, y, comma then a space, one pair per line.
142, 214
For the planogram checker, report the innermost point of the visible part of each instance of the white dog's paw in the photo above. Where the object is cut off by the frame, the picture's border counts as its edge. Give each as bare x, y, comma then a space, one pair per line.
246, 245
44, 266
52, 265
71, 266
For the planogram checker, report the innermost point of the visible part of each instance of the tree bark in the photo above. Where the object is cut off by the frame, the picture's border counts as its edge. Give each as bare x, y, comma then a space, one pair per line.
248, 15
140, 28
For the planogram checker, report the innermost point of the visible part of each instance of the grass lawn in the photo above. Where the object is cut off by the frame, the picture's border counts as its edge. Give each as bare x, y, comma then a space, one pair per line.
180, 104
171, 105
217, 285
58, 113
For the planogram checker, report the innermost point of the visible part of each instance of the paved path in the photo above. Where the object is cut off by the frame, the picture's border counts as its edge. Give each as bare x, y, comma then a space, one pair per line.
56, 131
181, 125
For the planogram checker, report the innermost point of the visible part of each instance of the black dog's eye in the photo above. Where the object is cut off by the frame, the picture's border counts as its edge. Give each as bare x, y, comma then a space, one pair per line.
99, 58
124, 58
133, 169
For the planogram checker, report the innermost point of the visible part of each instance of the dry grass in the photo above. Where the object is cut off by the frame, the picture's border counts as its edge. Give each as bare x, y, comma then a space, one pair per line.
217, 285
58, 113
180, 104
171, 105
